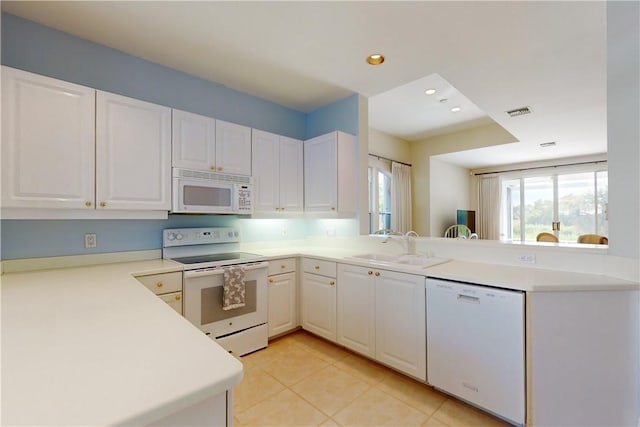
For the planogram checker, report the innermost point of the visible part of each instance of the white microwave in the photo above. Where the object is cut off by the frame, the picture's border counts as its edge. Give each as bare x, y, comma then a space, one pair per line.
210, 192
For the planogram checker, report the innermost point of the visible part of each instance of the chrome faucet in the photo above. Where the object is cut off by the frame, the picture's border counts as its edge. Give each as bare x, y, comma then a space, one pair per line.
387, 233
408, 244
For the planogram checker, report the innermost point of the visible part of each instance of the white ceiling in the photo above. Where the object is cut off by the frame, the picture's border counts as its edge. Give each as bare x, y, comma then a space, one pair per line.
492, 56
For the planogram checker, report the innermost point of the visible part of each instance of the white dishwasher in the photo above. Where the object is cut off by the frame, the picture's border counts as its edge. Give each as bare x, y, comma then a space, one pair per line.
476, 345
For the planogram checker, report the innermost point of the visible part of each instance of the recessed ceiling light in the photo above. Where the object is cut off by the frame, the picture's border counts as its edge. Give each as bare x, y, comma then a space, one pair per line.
455, 109
430, 91
375, 59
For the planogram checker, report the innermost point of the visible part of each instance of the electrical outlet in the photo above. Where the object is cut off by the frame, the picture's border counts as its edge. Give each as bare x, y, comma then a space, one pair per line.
90, 240
527, 258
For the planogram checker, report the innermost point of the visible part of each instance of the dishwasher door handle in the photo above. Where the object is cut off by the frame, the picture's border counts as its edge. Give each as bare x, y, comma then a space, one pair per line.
469, 299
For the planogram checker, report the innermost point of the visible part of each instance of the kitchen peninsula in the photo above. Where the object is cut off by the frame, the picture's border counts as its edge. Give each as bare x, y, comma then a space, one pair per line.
92, 346
75, 338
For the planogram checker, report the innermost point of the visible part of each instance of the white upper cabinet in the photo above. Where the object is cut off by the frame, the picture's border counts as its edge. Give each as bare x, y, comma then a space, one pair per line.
194, 141
233, 148
277, 173
48, 142
291, 175
133, 154
330, 174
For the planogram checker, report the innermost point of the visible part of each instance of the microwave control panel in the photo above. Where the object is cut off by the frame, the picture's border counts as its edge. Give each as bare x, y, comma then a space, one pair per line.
244, 199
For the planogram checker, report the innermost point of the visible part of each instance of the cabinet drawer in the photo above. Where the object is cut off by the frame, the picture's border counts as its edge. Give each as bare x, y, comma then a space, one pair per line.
317, 266
174, 299
163, 283
285, 265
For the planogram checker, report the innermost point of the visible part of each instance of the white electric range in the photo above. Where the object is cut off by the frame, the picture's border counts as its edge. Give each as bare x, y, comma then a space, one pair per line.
205, 254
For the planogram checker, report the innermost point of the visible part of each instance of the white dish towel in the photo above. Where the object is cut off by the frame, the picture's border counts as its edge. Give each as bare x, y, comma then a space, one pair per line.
233, 288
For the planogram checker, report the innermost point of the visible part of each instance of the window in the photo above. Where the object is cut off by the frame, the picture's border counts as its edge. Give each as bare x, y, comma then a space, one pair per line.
379, 196
566, 204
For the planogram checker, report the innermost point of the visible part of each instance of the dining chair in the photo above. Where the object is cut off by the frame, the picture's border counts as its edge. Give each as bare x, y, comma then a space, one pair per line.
594, 239
458, 231
546, 237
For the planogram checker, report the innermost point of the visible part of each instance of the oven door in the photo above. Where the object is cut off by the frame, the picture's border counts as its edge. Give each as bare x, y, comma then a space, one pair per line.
202, 196
203, 300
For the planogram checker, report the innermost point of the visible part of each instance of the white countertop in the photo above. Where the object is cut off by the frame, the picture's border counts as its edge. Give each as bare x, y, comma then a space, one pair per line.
526, 279
92, 346
503, 276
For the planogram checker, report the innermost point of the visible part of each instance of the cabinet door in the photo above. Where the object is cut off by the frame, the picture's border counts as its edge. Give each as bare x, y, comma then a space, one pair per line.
320, 174
282, 303
233, 148
265, 164
193, 141
347, 174
291, 175
356, 309
48, 142
133, 154
319, 305
400, 322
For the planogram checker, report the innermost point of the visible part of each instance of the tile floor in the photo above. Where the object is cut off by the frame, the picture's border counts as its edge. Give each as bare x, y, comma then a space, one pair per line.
302, 380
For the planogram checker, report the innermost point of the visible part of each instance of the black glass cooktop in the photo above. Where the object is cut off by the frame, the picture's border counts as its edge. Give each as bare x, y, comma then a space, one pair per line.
198, 259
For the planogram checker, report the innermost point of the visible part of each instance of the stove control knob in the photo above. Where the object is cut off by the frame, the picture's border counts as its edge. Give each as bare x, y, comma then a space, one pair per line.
171, 236
179, 236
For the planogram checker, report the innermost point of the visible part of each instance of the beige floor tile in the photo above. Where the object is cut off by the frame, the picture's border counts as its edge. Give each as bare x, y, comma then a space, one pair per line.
256, 386
375, 408
432, 422
325, 350
363, 368
456, 413
276, 350
330, 389
412, 392
295, 367
330, 423
283, 409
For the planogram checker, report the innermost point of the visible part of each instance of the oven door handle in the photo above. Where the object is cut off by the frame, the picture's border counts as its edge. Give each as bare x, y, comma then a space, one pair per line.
220, 270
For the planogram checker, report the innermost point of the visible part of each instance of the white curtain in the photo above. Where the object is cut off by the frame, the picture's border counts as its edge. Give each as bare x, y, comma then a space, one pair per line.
490, 197
400, 197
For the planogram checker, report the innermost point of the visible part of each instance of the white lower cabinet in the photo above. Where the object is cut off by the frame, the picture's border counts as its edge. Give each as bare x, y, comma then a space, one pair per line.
401, 323
168, 287
356, 309
283, 307
319, 297
381, 314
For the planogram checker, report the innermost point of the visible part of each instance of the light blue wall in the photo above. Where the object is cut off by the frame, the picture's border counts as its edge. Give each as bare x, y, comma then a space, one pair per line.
42, 50
341, 115
33, 47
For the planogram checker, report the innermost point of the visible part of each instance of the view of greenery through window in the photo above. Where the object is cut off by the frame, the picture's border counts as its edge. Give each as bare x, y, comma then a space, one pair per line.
379, 199
578, 201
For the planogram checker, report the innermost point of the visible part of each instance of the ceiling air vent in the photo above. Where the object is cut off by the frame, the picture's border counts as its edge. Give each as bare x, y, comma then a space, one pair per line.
519, 111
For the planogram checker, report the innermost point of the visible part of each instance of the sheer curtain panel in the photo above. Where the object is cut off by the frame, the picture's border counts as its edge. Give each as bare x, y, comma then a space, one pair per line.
489, 207
400, 197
